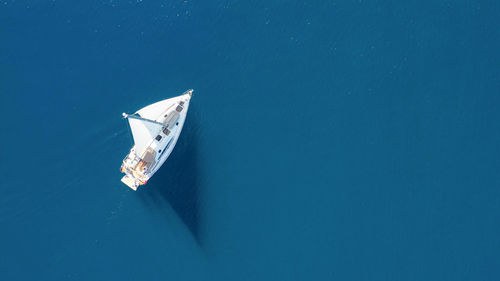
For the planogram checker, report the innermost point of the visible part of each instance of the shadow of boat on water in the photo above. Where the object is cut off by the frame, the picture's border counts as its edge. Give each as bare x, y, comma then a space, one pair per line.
177, 182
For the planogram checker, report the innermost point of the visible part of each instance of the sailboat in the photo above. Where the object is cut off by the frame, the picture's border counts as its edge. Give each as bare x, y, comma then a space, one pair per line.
155, 129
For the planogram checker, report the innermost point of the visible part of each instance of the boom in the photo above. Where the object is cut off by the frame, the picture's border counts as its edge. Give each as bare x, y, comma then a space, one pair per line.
125, 115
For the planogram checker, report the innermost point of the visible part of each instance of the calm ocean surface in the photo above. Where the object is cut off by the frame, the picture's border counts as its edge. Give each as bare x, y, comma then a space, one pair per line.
326, 140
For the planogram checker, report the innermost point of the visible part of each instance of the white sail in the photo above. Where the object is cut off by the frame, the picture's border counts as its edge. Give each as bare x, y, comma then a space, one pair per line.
143, 132
154, 110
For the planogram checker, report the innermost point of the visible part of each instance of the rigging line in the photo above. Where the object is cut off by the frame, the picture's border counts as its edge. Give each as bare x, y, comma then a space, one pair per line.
130, 136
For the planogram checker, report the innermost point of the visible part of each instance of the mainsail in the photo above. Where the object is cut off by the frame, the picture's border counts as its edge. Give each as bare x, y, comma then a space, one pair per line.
143, 132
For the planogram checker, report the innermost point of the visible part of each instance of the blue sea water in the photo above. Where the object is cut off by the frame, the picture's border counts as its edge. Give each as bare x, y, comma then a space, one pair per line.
326, 140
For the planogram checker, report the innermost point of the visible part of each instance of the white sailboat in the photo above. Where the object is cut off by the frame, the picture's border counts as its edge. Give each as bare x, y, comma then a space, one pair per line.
155, 129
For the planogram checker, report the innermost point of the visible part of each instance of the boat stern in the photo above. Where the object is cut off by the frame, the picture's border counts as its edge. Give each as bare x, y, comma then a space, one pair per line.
130, 182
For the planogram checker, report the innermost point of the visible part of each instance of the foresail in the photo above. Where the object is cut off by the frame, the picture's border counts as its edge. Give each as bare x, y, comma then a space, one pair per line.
154, 110
143, 132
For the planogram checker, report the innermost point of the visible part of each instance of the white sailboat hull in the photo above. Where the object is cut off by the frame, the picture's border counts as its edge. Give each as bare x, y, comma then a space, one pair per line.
156, 129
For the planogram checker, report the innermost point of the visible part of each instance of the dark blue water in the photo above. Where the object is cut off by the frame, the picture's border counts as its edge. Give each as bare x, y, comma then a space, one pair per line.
326, 140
